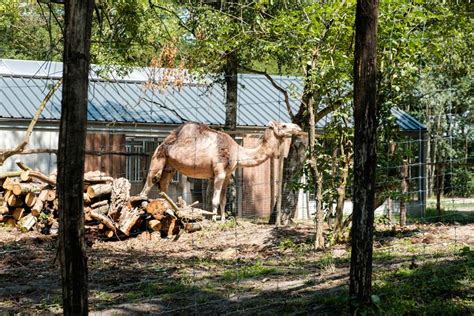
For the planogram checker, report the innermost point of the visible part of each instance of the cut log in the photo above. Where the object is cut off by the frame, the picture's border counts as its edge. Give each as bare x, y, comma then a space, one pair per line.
51, 195
6, 195
95, 180
56, 204
128, 219
103, 219
9, 174
40, 203
194, 227
119, 197
10, 221
169, 200
157, 208
87, 199
102, 209
18, 213
14, 201
87, 214
24, 188
30, 199
171, 228
27, 222
154, 224
97, 177
136, 199
4, 208
28, 175
8, 184
190, 214
100, 203
109, 234
54, 229
21, 165
97, 190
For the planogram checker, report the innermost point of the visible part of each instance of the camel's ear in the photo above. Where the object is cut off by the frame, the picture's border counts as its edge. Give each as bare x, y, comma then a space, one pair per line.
271, 124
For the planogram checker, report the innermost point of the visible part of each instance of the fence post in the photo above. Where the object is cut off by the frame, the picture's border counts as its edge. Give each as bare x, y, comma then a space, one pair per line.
404, 187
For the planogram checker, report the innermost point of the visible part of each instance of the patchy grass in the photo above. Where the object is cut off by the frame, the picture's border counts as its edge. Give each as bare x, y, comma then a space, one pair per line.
255, 270
447, 216
265, 271
432, 288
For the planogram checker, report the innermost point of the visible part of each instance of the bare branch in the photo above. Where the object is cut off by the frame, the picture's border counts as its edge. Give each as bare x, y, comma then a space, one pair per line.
276, 86
4, 154
155, 6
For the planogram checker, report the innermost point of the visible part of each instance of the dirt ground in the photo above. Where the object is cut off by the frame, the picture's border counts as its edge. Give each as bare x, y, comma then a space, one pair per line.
235, 268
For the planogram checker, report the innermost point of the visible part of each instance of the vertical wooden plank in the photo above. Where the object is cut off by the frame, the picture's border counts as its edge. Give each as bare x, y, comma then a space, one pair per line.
103, 166
256, 198
121, 159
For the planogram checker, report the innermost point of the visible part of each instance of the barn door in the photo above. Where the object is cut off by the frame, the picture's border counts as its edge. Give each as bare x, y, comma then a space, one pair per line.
103, 153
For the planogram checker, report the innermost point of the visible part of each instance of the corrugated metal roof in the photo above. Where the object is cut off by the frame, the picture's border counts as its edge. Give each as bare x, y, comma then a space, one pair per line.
405, 121
128, 98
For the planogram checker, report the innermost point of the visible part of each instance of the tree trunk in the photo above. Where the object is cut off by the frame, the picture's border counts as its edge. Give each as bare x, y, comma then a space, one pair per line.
230, 72
292, 168
71, 150
438, 186
294, 162
365, 123
317, 178
390, 210
319, 216
341, 196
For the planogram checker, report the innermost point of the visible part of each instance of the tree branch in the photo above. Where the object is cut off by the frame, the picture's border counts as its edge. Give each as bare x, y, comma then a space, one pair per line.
4, 154
169, 109
321, 114
275, 85
176, 15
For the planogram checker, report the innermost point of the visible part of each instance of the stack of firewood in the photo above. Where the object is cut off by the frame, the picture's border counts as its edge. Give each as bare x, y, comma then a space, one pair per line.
28, 201
172, 218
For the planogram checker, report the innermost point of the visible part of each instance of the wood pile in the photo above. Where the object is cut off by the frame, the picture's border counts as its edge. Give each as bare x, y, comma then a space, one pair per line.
28, 200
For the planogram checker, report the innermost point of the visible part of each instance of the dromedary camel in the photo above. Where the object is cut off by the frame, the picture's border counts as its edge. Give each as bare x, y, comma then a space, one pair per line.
199, 152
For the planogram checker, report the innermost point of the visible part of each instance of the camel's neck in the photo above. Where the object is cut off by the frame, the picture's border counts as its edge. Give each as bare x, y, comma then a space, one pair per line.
250, 157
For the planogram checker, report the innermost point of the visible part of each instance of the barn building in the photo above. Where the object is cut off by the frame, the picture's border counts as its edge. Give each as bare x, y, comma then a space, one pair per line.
128, 117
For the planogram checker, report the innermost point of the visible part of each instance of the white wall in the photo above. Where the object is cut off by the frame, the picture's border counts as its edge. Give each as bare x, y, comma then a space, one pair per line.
46, 163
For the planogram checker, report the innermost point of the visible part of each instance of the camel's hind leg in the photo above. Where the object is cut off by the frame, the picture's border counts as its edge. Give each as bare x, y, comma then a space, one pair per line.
219, 179
224, 197
154, 174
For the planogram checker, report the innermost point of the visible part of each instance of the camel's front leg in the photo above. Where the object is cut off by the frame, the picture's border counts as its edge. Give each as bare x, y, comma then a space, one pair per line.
166, 177
154, 174
218, 183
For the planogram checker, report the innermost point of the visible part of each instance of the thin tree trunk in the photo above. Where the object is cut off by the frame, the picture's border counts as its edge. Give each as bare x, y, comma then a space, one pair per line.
390, 210
279, 197
365, 123
231, 80
292, 168
438, 186
319, 216
294, 163
341, 196
317, 178
71, 151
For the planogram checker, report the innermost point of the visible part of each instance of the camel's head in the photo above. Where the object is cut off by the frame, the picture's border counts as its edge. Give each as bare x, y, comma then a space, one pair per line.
284, 129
